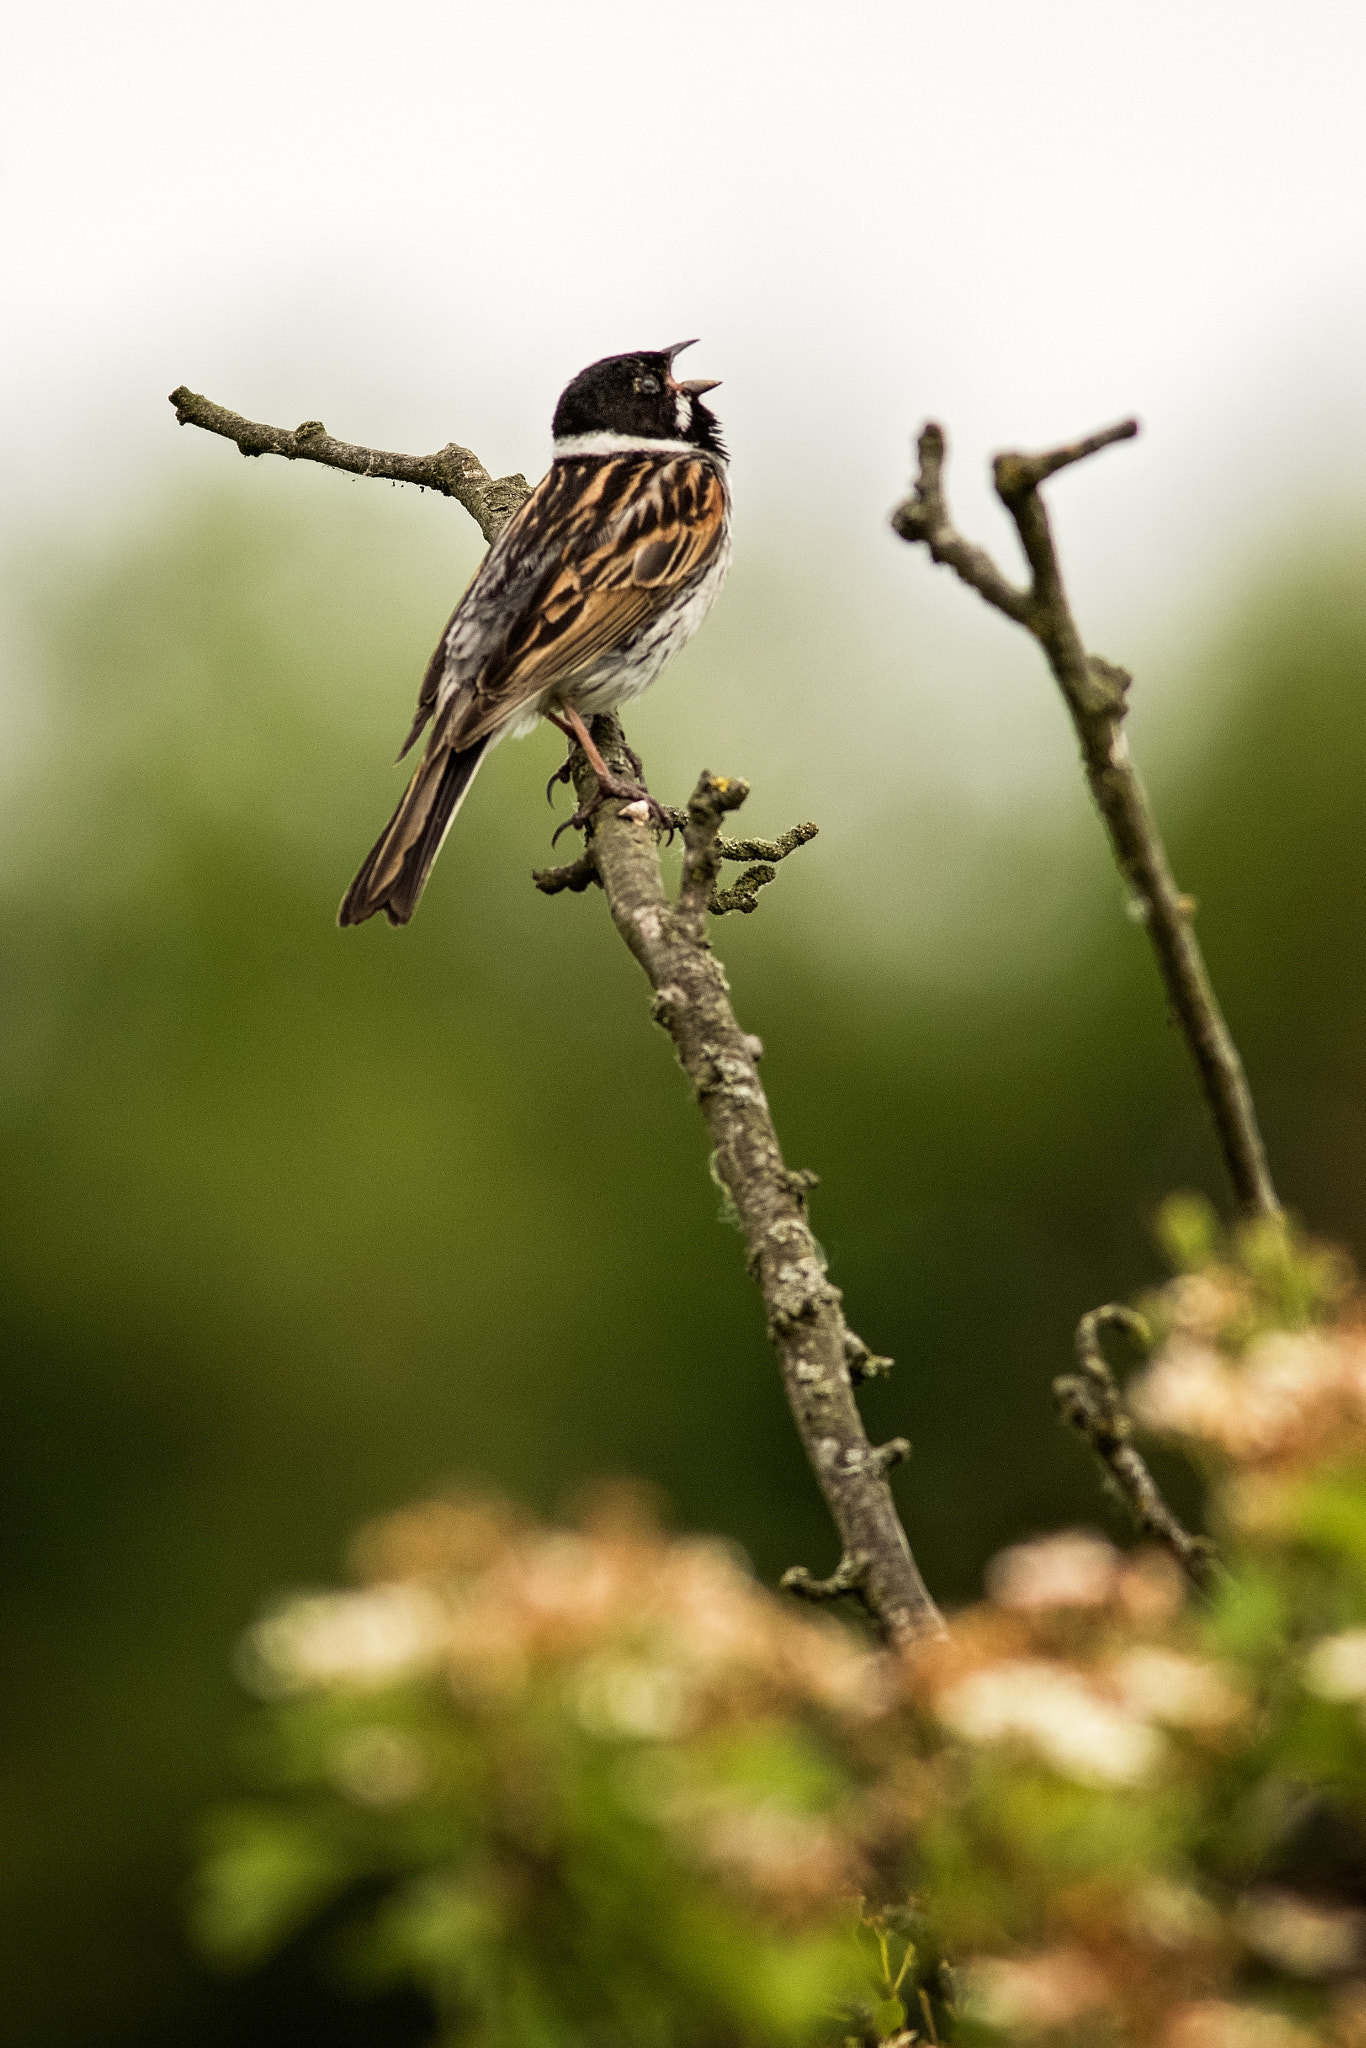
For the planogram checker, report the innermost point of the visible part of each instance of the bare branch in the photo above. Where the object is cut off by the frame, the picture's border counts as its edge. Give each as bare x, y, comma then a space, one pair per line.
691, 1000
1090, 1401
806, 1323
1096, 695
490, 501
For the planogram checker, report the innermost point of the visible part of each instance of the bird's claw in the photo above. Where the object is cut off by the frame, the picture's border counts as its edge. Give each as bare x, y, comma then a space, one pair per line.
561, 775
626, 792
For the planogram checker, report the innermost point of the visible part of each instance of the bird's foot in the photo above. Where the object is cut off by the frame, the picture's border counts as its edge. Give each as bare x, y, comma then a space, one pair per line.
615, 788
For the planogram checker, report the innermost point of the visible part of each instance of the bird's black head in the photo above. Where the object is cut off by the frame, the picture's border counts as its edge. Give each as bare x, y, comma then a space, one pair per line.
638, 396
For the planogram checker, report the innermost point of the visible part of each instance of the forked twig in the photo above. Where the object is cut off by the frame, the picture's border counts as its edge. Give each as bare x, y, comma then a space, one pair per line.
1096, 695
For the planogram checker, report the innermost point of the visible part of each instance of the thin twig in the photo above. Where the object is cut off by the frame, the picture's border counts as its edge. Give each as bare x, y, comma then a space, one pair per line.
490, 501
1090, 1401
1095, 692
819, 1355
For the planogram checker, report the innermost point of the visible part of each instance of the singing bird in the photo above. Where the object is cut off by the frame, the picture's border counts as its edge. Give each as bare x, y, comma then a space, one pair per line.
605, 571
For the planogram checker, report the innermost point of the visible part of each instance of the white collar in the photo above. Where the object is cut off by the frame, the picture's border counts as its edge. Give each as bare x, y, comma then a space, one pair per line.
618, 444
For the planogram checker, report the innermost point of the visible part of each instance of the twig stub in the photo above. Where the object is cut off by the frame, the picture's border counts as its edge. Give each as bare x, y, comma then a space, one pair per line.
576, 876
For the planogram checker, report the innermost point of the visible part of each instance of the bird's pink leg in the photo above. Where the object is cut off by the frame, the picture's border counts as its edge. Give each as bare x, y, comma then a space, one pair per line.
609, 785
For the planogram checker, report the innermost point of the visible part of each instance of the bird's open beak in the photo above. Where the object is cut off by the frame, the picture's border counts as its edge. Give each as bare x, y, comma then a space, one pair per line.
692, 386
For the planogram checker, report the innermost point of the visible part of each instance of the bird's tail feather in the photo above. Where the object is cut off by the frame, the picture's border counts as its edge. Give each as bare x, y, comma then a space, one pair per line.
396, 870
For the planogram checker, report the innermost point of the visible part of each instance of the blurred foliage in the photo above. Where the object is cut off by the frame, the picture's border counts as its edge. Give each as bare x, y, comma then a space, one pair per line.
298, 1224
600, 1786
592, 1772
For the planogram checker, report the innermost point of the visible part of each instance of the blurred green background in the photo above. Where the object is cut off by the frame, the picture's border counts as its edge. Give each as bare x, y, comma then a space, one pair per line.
299, 1224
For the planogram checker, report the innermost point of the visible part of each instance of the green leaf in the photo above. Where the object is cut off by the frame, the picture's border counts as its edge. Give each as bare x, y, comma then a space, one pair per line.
1249, 1616
264, 1875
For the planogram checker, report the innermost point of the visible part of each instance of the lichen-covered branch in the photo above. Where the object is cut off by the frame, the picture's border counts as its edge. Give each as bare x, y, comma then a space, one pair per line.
1096, 696
821, 1358
752, 849
490, 501
817, 1352
1090, 1401
578, 875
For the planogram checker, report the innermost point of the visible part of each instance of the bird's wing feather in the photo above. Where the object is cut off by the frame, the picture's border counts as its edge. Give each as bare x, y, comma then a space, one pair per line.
587, 561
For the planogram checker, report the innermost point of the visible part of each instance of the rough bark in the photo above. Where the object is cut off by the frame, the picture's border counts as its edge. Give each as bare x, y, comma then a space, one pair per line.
820, 1358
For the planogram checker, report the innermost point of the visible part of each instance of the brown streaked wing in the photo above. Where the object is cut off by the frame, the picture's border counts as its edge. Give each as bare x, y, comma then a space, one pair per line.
543, 513
640, 534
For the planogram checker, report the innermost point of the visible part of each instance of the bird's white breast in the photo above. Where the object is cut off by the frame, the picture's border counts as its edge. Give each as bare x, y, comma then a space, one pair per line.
629, 671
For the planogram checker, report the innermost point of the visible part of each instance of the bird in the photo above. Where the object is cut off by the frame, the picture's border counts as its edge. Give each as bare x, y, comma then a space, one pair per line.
604, 571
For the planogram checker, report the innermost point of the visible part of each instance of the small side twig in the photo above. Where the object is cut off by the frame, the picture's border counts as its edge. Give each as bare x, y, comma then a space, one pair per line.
864, 1364
752, 849
848, 1577
744, 896
1096, 695
1090, 1401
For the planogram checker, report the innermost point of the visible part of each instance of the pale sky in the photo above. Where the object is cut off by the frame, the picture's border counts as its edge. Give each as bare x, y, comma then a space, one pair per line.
416, 221
1027, 219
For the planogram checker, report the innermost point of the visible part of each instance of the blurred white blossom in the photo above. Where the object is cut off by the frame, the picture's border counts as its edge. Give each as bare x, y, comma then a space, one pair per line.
1300, 1935
1034, 1994
1057, 1713
1216, 2023
1182, 1692
1072, 1569
369, 1638
1335, 1668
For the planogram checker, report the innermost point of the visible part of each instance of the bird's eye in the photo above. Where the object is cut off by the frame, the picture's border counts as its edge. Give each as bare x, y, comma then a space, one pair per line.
647, 383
